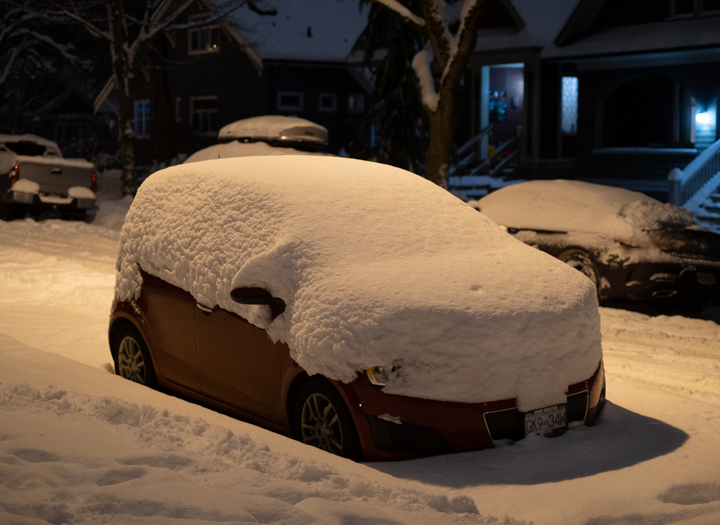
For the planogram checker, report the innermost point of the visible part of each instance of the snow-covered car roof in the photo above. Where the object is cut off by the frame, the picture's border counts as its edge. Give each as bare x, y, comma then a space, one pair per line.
377, 267
275, 128
563, 205
266, 135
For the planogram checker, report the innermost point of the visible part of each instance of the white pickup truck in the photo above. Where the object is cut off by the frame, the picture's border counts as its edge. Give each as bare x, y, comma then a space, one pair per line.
34, 177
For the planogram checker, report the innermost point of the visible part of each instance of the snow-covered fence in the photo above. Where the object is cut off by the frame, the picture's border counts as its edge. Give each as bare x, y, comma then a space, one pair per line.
690, 187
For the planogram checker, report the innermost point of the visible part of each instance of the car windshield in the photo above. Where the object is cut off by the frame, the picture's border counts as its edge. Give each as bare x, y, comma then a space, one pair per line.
26, 147
649, 214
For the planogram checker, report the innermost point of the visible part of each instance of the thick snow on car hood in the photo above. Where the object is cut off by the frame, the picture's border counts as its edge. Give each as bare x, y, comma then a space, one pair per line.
377, 266
564, 205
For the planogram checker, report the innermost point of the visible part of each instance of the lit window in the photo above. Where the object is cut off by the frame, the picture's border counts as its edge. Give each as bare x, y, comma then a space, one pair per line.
356, 103
204, 39
327, 102
142, 118
290, 101
203, 115
569, 105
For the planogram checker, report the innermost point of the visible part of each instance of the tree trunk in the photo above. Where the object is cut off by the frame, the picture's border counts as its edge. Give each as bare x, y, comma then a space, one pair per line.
126, 138
443, 122
122, 72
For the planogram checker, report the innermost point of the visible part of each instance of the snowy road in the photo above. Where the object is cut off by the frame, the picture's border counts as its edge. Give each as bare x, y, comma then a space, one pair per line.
78, 445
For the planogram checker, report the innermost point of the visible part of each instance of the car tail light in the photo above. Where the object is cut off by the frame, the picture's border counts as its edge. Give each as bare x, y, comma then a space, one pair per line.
630, 243
93, 181
15, 174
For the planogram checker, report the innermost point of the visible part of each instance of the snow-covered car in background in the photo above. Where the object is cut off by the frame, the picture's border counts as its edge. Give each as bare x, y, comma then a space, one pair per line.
630, 246
353, 305
266, 135
34, 177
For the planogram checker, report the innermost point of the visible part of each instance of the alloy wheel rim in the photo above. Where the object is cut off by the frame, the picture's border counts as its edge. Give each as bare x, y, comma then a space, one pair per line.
131, 363
320, 424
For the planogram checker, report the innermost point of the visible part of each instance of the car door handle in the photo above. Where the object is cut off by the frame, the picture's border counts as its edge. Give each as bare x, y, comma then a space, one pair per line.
204, 308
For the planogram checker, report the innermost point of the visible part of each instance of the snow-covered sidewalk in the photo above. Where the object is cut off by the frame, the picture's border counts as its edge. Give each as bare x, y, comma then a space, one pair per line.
80, 445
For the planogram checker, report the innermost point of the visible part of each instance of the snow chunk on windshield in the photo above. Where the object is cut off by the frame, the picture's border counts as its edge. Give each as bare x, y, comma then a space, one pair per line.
649, 214
377, 267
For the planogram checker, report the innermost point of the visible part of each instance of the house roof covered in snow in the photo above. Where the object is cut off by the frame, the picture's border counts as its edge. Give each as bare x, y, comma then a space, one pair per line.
614, 27
538, 25
558, 29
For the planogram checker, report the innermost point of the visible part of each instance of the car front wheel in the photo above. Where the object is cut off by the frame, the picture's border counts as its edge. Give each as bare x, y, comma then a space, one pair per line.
323, 421
582, 262
132, 359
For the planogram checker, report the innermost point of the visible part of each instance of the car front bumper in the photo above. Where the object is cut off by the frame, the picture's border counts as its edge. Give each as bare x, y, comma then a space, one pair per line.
394, 427
688, 281
38, 203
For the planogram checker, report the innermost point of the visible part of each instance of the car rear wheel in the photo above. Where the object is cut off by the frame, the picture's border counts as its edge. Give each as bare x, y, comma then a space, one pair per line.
132, 359
582, 262
323, 421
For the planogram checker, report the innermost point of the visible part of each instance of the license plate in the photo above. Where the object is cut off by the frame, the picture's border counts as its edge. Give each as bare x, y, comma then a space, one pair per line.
708, 279
546, 420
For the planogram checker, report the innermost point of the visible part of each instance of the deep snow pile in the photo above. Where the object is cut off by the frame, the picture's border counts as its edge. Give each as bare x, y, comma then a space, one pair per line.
377, 267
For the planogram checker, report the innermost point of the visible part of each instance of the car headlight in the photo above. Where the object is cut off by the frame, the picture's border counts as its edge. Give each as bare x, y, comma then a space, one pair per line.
379, 375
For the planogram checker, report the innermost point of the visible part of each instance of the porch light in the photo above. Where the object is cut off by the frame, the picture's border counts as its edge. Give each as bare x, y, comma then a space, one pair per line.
703, 118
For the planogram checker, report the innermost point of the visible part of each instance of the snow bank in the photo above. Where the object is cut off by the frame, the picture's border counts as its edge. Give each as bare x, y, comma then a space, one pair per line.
562, 205
377, 267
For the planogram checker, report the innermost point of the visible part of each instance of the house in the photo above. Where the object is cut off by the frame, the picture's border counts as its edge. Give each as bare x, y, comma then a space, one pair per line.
69, 120
209, 71
600, 90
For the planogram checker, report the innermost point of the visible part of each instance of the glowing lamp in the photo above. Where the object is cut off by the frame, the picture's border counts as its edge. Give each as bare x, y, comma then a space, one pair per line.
702, 118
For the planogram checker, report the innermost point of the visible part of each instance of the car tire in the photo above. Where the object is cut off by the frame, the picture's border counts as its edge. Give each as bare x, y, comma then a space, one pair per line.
582, 262
323, 420
132, 359
10, 213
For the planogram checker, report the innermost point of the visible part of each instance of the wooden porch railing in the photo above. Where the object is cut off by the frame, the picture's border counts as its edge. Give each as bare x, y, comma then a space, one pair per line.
690, 187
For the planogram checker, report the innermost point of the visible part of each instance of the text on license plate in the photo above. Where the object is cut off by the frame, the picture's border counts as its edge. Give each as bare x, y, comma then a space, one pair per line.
708, 279
546, 420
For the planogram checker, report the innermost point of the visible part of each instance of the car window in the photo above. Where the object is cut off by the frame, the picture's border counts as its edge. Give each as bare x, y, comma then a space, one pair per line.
26, 147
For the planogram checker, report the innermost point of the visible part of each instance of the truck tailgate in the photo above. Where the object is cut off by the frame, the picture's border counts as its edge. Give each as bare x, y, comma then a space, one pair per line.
56, 175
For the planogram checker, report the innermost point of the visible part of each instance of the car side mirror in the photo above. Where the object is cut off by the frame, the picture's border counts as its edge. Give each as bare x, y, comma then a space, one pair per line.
259, 296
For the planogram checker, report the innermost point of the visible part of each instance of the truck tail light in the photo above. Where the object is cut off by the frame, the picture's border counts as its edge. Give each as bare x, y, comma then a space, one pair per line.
93, 181
15, 174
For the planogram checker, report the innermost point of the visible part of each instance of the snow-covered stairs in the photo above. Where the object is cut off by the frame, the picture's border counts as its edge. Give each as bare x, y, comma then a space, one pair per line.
708, 213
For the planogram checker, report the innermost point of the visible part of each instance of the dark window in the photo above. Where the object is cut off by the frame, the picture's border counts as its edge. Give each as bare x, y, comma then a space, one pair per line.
203, 40
327, 102
203, 115
684, 7
290, 101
